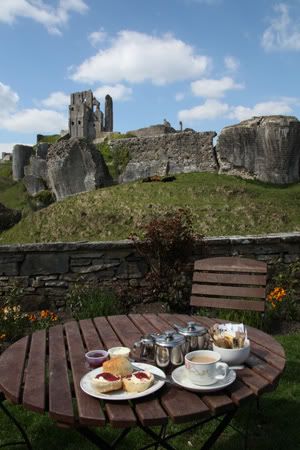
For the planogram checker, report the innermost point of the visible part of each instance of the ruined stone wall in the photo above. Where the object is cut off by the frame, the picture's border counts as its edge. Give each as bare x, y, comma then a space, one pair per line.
166, 154
46, 272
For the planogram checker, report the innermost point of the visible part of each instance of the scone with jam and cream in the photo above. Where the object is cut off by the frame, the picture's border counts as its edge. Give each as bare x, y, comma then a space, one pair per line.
107, 382
138, 381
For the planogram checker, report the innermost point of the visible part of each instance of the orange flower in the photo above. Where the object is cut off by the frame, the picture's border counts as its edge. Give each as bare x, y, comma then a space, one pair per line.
32, 317
44, 314
2, 336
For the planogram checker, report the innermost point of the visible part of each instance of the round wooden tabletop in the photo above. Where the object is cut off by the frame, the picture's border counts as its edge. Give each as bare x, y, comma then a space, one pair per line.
43, 372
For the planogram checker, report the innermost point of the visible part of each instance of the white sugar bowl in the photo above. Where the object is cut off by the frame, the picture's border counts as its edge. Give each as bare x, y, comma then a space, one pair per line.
234, 356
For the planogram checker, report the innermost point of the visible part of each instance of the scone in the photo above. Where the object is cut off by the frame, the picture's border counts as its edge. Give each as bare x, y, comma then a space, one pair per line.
118, 366
138, 381
107, 382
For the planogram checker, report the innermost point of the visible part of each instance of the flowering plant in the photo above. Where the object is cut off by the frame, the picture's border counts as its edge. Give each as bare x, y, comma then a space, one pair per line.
276, 296
42, 319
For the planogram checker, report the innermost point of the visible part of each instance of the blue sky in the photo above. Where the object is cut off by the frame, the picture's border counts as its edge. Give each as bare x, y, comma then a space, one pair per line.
208, 63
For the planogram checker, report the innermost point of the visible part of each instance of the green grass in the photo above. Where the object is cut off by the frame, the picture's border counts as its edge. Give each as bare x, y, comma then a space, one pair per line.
12, 193
221, 205
274, 427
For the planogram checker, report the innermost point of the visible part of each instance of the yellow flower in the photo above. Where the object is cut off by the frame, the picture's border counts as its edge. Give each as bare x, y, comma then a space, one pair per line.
2, 336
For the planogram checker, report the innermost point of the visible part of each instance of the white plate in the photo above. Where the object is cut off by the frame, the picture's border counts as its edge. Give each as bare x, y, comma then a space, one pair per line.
180, 377
88, 388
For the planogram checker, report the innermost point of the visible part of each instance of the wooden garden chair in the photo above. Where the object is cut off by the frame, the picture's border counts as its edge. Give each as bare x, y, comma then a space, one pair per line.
231, 283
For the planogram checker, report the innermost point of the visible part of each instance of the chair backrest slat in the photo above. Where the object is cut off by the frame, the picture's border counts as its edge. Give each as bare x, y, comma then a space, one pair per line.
229, 282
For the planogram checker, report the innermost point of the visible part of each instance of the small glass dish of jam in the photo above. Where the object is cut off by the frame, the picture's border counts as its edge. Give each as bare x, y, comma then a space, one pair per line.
96, 358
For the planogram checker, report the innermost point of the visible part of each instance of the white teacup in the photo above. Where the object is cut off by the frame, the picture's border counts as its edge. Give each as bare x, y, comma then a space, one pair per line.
203, 367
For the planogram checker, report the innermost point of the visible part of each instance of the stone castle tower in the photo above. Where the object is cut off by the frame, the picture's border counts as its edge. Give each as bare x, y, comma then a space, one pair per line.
85, 117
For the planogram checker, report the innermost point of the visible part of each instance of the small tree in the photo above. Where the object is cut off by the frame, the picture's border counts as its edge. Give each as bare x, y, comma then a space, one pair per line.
167, 244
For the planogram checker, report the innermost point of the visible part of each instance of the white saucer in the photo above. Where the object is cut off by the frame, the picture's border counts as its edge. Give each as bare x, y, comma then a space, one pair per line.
180, 377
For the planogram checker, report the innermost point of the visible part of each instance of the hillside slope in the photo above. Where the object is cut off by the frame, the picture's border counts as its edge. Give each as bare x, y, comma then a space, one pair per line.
12, 193
221, 205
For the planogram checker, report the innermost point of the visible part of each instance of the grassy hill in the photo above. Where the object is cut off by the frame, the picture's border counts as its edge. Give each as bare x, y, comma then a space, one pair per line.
221, 205
12, 193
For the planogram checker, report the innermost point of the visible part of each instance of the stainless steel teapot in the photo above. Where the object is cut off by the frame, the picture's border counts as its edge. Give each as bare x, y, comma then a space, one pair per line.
195, 336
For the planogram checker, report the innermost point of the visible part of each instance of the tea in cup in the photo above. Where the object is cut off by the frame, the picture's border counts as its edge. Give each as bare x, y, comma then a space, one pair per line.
203, 367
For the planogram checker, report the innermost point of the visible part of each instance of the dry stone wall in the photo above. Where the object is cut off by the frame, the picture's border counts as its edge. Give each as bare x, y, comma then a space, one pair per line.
46, 272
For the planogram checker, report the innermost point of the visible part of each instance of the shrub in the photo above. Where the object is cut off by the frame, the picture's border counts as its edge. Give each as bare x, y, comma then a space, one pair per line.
167, 243
282, 299
115, 160
13, 322
88, 302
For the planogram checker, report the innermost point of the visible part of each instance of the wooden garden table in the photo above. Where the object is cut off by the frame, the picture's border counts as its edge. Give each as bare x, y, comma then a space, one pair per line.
42, 372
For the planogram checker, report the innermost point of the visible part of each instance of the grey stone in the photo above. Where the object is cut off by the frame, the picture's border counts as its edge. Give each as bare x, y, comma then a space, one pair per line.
76, 166
108, 113
80, 261
21, 156
94, 268
42, 150
44, 264
33, 184
8, 217
153, 130
167, 154
58, 284
86, 118
34, 303
264, 148
9, 269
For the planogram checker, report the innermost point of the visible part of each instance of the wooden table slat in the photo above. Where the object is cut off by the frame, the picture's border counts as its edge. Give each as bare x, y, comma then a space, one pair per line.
150, 412
271, 358
127, 332
141, 323
12, 363
107, 334
60, 397
34, 393
183, 406
91, 338
89, 408
119, 414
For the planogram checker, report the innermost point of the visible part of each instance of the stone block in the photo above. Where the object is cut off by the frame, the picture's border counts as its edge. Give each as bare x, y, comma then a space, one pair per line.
58, 284
45, 264
9, 268
34, 303
80, 261
94, 268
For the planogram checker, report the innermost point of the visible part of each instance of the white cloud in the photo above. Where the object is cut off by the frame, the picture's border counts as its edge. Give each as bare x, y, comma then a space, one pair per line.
231, 63
56, 100
261, 109
213, 109
179, 96
210, 109
39, 11
97, 37
8, 99
214, 88
283, 33
137, 57
34, 121
118, 92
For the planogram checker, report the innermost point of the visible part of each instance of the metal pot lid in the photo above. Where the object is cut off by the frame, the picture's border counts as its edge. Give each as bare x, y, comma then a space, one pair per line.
192, 329
147, 339
169, 339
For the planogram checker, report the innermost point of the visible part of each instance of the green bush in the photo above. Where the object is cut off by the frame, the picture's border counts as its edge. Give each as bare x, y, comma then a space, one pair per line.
50, 139
42, 199
115, 160
13, 322
89, 302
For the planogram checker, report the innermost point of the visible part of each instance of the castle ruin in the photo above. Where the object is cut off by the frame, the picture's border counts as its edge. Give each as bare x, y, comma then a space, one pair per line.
86, 120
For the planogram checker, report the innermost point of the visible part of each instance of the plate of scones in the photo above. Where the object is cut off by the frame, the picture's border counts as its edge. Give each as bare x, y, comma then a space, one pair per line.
117, 380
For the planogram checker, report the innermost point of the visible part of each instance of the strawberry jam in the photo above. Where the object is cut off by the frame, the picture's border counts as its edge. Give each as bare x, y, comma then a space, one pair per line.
141, 375
107, 376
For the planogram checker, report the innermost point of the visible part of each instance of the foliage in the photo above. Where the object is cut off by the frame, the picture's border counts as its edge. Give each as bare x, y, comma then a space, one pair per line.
167, 243
42, 199
115, 160
14, 323
283, 297
50, 139
6, 169
251, 318
90, 301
